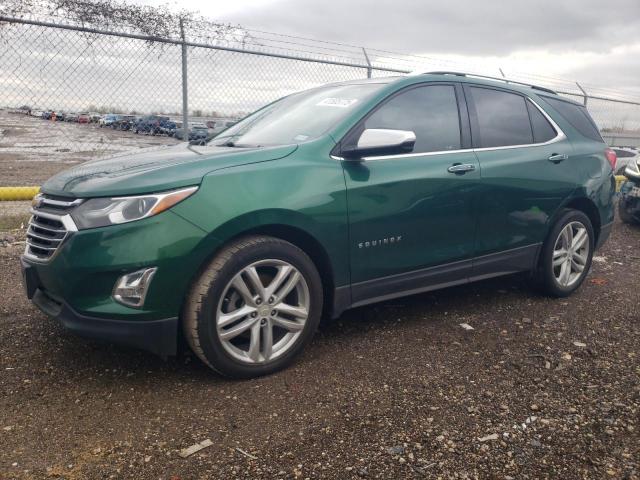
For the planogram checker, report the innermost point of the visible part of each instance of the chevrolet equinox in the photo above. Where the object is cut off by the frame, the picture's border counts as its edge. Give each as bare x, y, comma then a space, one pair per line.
327, 199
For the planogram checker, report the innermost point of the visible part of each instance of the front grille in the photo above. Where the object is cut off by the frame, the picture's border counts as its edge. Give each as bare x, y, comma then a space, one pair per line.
49, 226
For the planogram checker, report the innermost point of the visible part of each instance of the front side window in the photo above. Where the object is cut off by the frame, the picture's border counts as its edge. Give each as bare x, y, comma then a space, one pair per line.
503, 119
431, 112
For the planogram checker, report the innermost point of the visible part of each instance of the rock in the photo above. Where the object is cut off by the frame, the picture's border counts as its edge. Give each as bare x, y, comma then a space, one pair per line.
466, 326
535, 407
187, 452
397, 450
535, 443
488, 438
580, 344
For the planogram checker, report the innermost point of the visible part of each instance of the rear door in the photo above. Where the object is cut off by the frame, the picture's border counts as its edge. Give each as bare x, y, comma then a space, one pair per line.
408, 212
528, 170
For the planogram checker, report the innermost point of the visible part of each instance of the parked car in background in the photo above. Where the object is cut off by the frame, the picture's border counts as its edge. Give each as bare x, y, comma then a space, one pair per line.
37, 113
222, 126
629, 203
47, 114
626, 156
108, 119
84, 118
449, 179
169, 127
95, 117
150, 124
124, 122
196, 130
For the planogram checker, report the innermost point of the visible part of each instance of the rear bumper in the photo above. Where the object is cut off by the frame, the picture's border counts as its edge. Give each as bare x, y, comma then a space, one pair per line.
155, 336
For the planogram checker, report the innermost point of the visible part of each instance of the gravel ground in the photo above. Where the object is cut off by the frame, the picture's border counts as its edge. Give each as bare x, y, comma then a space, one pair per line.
540, 388
33, 149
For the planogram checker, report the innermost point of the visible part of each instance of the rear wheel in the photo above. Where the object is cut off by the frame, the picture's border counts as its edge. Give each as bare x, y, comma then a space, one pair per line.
254, 308
566, 254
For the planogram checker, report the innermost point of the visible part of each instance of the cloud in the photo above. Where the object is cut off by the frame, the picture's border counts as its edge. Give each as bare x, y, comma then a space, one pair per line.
457, 26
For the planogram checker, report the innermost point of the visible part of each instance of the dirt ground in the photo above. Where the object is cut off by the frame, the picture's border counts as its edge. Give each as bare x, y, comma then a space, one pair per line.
541, 388
33, 149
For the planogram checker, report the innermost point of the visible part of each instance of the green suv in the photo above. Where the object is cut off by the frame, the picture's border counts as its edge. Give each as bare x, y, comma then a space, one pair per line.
327, 199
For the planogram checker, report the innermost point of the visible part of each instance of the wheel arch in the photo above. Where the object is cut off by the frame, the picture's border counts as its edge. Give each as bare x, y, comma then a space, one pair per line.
309, 245
590, 209
294, 234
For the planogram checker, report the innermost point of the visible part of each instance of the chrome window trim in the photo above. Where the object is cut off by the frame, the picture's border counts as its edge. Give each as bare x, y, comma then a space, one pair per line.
560, 135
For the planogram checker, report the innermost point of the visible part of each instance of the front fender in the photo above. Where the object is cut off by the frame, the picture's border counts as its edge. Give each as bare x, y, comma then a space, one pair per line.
300, 193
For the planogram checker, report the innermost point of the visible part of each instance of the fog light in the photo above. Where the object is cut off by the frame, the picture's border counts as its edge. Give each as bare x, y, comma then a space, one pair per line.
131, 289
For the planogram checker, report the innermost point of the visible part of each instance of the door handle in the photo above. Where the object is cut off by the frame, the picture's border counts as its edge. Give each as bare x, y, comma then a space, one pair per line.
558, 157
461, 168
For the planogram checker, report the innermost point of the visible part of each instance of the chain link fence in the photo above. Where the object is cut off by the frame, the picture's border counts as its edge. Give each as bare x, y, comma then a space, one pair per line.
63, 82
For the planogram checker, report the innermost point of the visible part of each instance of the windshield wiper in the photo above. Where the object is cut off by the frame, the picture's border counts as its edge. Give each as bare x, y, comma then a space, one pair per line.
231, 143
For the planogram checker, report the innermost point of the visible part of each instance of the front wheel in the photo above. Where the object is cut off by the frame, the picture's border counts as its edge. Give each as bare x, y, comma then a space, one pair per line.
566, 254
254, 308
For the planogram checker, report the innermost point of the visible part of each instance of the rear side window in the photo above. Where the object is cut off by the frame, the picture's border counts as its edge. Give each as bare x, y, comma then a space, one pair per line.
543, 131
503, 119
431, 112
623, 153
577, 116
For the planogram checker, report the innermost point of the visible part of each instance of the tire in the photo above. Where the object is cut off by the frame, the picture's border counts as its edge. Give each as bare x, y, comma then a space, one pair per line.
214, 298
625, 216
550, 278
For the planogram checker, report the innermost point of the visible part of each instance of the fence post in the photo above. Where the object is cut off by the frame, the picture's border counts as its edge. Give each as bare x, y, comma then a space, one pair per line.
185, 96
584, 94
366, 57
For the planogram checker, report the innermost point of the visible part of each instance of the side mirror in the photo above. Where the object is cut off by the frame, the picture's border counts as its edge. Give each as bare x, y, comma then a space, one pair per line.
377, 141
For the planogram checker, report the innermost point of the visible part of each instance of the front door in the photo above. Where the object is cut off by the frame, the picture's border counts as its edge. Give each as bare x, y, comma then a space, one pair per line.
412, 217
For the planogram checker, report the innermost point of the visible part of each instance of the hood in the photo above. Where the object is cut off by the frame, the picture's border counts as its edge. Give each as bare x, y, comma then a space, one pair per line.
154, 169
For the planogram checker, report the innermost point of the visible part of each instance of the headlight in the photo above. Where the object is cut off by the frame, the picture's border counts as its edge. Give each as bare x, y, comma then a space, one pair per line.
100, 212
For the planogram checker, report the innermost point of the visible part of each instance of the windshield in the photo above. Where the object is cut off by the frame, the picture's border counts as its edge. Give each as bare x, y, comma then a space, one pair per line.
297, 118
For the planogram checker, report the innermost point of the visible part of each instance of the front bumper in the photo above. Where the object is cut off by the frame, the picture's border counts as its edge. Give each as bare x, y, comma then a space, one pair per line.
630, 204
76, 285
155, 336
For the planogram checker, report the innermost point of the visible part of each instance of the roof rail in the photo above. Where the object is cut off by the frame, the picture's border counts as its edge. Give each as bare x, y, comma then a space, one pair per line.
506, 80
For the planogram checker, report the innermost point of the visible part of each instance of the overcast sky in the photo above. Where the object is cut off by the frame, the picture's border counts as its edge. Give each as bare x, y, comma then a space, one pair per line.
594, 41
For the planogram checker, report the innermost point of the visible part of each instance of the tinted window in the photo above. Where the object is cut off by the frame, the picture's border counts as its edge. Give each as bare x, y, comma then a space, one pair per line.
623, 153
430, 112
577, 116
502, 118
542, 129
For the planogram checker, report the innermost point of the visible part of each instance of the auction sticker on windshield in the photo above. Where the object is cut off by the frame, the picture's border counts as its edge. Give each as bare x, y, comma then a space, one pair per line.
337, 102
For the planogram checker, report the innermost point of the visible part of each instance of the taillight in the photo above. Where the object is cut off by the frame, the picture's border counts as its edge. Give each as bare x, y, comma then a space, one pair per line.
611, 157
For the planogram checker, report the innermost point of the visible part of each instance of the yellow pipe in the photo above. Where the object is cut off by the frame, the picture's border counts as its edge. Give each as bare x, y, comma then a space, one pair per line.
620, 179
18, 193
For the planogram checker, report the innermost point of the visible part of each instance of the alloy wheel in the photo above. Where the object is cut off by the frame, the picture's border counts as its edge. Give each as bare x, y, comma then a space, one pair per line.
570, 254
263, 311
